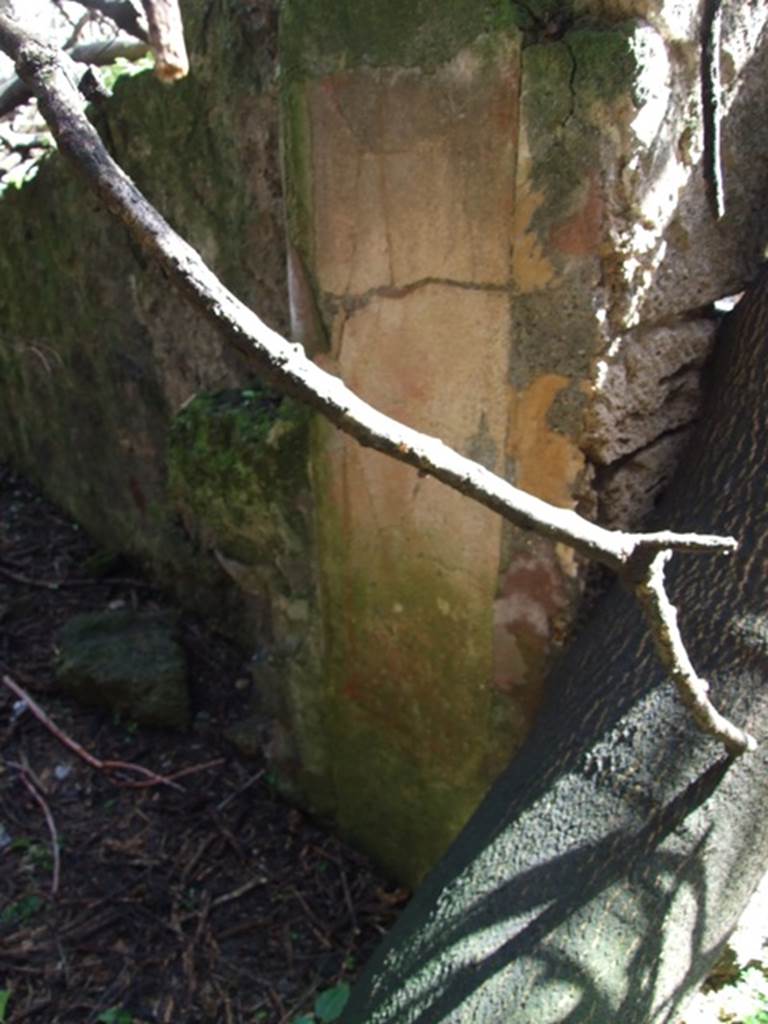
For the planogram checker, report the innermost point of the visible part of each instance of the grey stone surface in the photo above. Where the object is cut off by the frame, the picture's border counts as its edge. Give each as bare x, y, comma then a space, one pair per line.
126, 662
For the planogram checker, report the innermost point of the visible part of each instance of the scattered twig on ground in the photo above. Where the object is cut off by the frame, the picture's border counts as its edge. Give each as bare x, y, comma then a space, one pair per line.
348, 899
170, 779
105, 581
242, 789
19, 577
38, 797
150, 777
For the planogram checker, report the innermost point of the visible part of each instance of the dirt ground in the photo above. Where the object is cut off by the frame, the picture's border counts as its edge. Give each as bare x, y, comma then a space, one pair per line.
213, 901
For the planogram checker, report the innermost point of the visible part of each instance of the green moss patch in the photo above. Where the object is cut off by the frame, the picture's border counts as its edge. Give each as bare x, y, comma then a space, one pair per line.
237, 467
605, 62
322, 36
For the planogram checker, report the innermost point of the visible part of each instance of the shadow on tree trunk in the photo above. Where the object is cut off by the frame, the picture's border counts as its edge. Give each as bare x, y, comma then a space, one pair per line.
608, 864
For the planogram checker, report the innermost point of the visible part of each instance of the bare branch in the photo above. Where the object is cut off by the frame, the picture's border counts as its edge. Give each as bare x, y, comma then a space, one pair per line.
166, 35
661, 616
287, 368
14, 92
121, 12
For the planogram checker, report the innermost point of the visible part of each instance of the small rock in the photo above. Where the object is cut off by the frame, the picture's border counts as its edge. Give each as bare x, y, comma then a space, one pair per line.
249, 736
126, 662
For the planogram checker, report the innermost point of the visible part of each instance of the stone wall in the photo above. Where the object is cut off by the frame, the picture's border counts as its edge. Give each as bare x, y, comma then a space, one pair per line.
97, 354
499, 230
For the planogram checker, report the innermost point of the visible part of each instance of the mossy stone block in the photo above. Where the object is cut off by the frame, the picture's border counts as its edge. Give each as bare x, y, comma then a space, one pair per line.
126, 662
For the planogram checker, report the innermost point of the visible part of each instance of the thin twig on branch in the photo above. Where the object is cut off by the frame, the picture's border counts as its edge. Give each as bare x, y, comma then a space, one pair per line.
661, 616
286, 366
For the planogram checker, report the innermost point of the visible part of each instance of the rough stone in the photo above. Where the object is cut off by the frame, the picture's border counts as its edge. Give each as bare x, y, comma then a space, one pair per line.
249, 737
128, 663
649, 385
97, 357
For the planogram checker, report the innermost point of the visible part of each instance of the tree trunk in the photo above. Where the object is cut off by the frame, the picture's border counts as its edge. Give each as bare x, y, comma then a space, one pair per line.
606, 867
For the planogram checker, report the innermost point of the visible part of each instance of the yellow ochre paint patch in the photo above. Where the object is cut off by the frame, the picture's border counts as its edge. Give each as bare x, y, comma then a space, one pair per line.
548, 463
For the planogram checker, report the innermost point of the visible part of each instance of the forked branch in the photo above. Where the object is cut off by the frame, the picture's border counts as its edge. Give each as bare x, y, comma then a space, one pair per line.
121, 12
285, 366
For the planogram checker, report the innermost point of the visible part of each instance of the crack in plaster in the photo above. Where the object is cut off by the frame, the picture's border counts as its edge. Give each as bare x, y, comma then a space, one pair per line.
351, 303
571, 85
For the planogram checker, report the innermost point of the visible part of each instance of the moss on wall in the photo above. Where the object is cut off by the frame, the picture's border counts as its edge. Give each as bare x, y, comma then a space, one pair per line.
238, 474
322, 36
237, 467
605, 61
96, 353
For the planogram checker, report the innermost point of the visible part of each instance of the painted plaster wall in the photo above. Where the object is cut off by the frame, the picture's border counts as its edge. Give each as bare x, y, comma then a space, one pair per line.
495, 233
97, 354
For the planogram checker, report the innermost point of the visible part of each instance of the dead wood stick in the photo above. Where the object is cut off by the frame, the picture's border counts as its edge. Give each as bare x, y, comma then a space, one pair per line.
108, 767
121, 12
38, 797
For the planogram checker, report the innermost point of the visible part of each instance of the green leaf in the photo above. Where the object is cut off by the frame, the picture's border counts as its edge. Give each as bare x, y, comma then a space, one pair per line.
5, 995
124, 68
330, 1004
21, 910
306, 1018
115, 1015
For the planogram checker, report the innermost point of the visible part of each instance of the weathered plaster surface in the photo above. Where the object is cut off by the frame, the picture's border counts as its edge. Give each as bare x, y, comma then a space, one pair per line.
496, 224
412, 185
403, 144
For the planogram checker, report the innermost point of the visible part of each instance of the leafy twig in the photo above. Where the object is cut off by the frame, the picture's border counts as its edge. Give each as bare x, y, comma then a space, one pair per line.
14, 92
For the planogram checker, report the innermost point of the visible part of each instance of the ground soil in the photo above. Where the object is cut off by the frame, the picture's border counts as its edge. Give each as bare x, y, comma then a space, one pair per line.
214, 901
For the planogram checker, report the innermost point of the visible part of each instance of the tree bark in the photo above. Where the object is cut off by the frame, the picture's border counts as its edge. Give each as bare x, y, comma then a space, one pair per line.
606, 867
